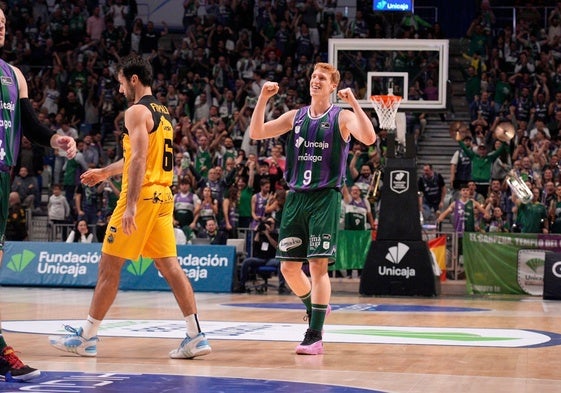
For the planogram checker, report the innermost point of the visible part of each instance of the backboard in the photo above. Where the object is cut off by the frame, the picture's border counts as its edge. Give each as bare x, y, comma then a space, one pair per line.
404, 64
379, 83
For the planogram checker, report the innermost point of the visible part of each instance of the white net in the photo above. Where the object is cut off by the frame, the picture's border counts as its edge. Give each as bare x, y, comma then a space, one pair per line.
386, 109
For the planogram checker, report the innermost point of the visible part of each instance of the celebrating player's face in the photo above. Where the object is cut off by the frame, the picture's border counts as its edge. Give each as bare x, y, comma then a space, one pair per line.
318, 81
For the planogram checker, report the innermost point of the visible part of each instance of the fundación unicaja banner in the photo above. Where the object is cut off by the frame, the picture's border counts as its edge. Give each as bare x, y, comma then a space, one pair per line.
209, 268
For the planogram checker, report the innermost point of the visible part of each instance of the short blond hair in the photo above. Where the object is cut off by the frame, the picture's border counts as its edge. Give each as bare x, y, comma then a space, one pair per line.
332, 71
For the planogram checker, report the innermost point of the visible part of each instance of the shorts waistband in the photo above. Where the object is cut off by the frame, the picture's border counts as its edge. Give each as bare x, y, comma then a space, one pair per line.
316, 190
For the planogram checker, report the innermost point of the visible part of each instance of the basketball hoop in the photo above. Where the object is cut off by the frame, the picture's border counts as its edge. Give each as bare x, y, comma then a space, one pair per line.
386, 109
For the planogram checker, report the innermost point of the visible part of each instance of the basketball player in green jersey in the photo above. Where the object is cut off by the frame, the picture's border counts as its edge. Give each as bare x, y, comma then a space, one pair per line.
316, 155
17, 118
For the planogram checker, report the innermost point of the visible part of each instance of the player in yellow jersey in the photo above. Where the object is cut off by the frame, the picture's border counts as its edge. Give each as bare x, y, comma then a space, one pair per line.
142, 223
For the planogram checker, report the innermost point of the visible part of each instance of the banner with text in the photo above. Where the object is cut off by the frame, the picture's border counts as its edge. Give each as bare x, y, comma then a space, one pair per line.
511, 263
209, 268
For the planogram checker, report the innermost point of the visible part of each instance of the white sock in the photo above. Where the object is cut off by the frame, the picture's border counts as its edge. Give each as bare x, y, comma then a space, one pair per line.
90, 327
193, 327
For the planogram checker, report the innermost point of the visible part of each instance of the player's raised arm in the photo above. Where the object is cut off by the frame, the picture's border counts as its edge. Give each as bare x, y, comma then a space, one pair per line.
258, 129
355, 122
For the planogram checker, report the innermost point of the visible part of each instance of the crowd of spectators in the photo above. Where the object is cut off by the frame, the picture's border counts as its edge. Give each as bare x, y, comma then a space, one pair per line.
512, 76
208, 75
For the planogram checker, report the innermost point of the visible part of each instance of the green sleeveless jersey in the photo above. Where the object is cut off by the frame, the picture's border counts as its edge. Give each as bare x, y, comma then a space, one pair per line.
316, 154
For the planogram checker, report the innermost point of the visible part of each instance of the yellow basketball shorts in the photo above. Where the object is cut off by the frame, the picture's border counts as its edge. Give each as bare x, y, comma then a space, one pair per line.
154, 236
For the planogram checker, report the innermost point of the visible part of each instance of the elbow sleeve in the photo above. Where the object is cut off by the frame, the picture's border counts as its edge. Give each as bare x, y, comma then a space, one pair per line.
32, 128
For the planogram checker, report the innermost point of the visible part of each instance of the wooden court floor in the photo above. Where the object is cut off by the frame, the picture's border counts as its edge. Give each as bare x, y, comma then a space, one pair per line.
397, 361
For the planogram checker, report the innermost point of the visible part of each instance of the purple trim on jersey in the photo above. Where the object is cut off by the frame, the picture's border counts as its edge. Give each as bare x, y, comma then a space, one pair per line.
459, 216
185, 199
359, 203
322, 138
260, 204
10, 138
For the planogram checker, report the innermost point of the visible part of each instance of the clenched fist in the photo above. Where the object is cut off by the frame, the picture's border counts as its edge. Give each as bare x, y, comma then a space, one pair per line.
346, 95
269, 89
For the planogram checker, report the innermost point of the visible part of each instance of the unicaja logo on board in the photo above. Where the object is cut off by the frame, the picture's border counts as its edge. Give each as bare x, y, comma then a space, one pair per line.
395, 255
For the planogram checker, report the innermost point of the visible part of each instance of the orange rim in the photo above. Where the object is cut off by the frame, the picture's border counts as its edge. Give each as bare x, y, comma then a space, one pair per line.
386, 100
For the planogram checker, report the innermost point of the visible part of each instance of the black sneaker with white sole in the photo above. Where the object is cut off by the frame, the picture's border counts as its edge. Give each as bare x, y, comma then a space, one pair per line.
21, 374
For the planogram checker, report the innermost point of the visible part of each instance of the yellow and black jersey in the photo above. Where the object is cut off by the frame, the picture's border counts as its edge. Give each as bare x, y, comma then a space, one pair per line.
159, 162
